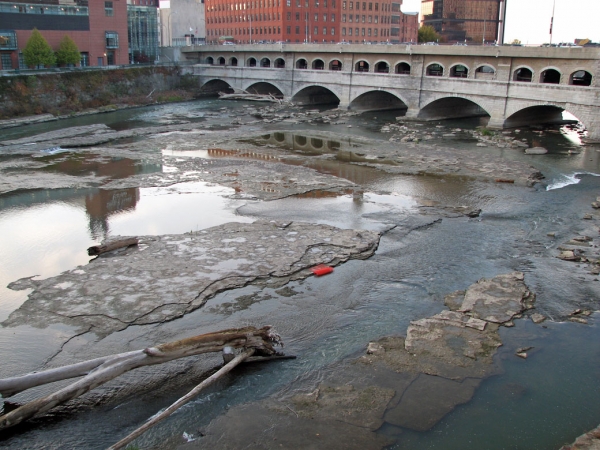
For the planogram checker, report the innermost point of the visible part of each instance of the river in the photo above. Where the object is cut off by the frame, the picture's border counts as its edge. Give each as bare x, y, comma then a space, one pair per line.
542, 402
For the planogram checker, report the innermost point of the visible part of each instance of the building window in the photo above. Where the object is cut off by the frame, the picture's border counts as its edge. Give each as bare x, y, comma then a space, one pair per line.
349, 31
316, 31
350, 18
324, 31
108, 9
376, 6
333, 4
324, 3
289, 16
85, 59
5, 62
297, 30
343, 5
376, 19
363, 18
343, 31
112, 39
375, 32
344, 18
369, 32
288, 30
333, 17
297, 16
351, 5
332, 31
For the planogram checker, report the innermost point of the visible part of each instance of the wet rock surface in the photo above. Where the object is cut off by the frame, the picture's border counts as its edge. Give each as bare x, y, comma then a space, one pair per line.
168, 276
410, 382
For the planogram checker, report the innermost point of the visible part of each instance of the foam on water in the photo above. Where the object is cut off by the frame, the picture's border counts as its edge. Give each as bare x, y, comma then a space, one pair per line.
567, 180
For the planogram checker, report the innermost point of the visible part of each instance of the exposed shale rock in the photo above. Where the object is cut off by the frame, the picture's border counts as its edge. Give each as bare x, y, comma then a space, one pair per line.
165, 277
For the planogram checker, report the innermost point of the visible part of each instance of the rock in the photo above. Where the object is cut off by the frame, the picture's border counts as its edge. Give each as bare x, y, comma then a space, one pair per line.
537, 318
569, 255
587, 441
551, 234
536, 151
588, 217
578, 319
374, 348
481, 144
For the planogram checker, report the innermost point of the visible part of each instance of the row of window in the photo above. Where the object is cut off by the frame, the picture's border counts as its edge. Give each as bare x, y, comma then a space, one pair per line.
579, 78
270, 4
356, 5
57, 10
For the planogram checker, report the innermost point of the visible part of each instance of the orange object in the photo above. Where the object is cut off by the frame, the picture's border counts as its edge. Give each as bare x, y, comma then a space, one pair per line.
321, 269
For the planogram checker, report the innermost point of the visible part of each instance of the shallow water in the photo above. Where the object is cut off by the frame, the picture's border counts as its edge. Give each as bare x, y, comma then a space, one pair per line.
552, 396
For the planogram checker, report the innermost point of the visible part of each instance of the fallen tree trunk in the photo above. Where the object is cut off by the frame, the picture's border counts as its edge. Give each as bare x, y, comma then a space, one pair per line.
183, 400
100, 370
99, 249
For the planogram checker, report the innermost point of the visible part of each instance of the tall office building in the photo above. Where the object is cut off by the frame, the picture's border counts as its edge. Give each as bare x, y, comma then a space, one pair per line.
475, 21
309, 21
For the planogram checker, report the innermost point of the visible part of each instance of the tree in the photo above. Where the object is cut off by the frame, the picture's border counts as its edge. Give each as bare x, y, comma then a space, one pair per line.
516, 42
428, 34
37, 52
67, 52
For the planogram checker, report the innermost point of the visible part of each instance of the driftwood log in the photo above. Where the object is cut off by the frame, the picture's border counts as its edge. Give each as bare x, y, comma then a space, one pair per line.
110, 246
183, 400
101, 370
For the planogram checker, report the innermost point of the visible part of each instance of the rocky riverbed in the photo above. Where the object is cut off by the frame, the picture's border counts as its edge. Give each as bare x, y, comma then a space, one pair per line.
409, 381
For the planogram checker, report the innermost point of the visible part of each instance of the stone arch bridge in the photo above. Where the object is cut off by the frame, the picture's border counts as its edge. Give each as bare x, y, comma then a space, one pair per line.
514, 86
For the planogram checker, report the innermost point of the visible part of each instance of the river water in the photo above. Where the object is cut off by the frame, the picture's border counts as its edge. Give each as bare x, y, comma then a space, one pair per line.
542, 402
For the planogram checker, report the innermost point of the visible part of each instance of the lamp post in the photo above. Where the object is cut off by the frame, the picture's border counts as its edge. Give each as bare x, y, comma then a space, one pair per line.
552, 20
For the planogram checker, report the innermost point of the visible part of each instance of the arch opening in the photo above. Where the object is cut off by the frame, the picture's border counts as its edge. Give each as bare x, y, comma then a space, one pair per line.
382, 67
316, 95
435, 70
213, 87
233, 61
581, 78
459, 71
221, 61
264, 88
403, 68
538, 115
451, 108
523, 74
550, 76
265, 62
318, 64
210, 60
251, 62
361, 66
301, 64
336, 64
485, 73
377, 101
279, 63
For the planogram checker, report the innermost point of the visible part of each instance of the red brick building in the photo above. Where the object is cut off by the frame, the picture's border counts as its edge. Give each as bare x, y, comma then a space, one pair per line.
309, 21
98, 27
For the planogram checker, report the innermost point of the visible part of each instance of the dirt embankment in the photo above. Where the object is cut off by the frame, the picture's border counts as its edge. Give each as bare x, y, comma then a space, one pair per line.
71, 92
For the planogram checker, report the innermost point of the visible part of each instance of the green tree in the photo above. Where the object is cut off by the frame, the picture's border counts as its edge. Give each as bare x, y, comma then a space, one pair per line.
67, 52
428, 34
37, 52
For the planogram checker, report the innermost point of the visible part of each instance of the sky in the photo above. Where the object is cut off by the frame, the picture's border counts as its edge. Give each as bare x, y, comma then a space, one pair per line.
529, 20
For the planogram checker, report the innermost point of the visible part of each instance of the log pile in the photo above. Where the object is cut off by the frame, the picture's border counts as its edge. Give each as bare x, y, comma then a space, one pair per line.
257, 341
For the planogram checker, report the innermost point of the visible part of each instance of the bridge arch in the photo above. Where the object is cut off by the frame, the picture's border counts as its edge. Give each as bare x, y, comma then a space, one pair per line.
264, 88
550, 75
523, 74
533, 113
317, 64
361, 66
452, 107
459, 70
279, 63
315, 95
335, 64
214, 86
580, 77
301, 64
402, 68
377, 100
382, 66
435, 69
